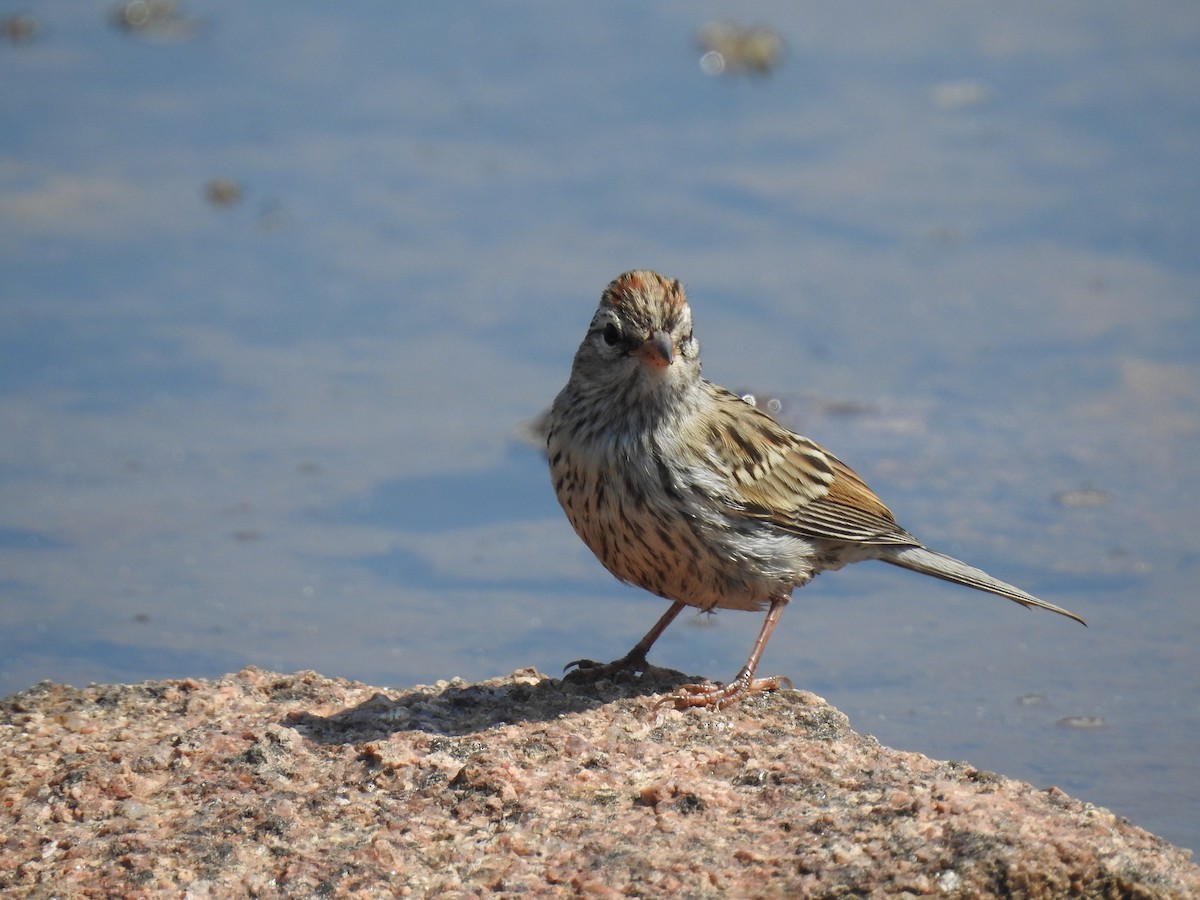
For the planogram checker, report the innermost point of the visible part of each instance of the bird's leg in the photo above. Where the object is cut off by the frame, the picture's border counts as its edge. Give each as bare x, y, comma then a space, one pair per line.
721, 695
635, 659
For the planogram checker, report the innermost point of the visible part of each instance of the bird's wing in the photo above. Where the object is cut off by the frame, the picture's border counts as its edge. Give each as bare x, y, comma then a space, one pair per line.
780, 477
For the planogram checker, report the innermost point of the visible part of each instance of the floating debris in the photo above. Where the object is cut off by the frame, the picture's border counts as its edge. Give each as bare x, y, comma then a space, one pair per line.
155, 19
1083, 497
20, 28
730, 49
1083, 723
223, 192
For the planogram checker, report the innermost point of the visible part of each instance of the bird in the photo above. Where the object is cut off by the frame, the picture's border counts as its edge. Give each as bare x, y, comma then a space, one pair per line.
685, 489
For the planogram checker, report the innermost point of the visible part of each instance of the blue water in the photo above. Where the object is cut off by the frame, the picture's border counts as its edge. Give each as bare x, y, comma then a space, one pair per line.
958, 242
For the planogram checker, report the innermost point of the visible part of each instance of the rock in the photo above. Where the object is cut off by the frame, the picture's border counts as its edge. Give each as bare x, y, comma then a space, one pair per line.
297, 785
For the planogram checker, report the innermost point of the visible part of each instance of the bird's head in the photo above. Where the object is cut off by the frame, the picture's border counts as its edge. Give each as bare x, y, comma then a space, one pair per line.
640, 339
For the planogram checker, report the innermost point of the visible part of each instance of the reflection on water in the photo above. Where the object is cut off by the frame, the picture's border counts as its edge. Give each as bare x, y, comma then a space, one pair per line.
276, 309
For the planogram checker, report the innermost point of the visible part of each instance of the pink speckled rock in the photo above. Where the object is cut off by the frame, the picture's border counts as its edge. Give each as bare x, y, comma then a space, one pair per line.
297, 785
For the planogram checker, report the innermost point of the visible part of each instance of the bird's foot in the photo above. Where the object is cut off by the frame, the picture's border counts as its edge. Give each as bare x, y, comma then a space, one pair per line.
722, 695
586, 670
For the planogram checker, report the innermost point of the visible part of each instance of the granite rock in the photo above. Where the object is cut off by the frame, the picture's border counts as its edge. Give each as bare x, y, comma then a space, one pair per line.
269, 785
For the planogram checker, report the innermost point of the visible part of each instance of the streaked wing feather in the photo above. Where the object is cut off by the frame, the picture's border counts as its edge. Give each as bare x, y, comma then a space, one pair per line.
793, 483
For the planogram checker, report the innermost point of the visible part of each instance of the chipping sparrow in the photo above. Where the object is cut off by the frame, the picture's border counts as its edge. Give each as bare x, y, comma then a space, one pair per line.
681, 487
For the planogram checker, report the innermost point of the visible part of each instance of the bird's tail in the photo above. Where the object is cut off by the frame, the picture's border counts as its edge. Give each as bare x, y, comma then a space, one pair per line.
930, 562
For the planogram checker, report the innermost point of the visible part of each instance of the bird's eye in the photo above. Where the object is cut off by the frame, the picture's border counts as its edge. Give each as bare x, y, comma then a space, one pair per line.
612, 335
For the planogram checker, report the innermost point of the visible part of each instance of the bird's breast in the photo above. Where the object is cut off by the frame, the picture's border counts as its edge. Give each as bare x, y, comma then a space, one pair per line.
655, 524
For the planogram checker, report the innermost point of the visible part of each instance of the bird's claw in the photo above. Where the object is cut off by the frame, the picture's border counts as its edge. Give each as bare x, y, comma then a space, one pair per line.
591, 670
719, 696
581, 664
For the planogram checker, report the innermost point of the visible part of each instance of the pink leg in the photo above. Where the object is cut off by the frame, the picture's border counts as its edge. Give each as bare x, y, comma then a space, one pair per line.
745, 683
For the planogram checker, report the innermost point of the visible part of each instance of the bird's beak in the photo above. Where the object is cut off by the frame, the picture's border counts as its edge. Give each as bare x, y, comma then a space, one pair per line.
656, 351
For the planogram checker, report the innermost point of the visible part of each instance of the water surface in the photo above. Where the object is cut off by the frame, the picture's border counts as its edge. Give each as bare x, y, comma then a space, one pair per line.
280, 289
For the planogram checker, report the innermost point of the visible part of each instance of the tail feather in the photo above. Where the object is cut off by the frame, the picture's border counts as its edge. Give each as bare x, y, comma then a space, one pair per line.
930, 562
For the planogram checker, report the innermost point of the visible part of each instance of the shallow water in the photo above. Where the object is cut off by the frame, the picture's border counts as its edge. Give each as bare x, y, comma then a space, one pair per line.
277, 419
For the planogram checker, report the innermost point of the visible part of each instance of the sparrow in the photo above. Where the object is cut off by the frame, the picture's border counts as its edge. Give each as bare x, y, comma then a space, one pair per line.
681, 487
